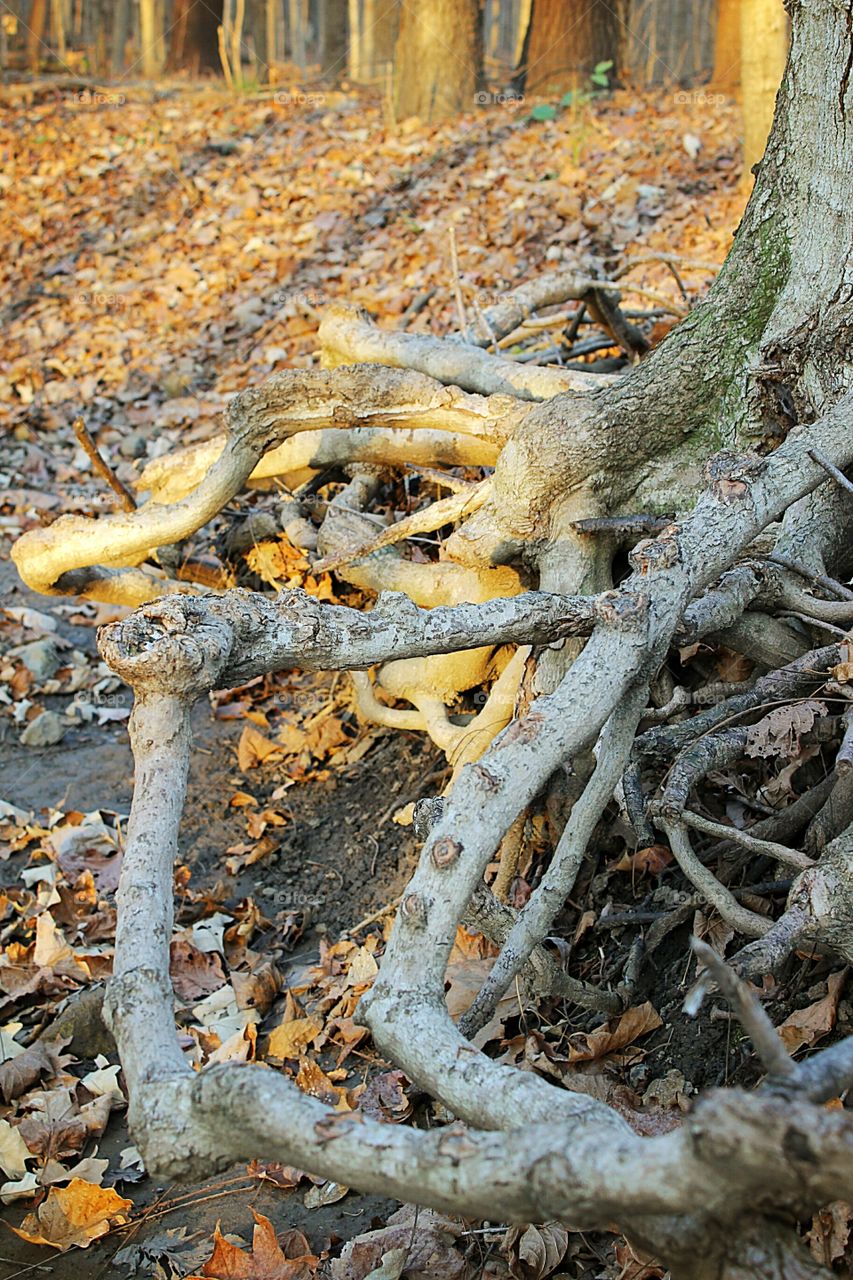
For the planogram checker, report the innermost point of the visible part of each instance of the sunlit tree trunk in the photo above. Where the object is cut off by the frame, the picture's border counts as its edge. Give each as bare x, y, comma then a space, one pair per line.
764, 49
564, 42
151, 36
727, 45
438, 57
333, 39
35, 34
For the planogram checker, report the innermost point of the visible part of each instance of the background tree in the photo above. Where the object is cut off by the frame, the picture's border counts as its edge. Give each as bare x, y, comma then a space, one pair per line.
565, 39
726, 72
192, 41
437, 58
763, 50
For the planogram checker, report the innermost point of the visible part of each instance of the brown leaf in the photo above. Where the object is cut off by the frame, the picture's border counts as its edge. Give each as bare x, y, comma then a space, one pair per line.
425, 1239
18, 1074
254, 749
806, 1026
534, 1252
830, 1232
74, 1216
266, 1261
291, 1039
652, 860
195, 973
613, 1035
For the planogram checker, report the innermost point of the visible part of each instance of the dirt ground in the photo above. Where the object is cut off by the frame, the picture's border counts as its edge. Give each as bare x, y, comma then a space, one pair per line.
341, 860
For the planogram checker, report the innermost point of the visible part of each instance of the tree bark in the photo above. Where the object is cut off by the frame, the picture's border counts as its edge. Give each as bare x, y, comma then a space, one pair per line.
764, 49
726, 74
438, 59
35, 34
565, 41
333, 40
192, 44
152, 38
667, 42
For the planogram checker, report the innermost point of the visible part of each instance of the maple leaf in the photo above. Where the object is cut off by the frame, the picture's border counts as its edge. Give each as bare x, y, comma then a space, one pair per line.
265, 1261
74, 1215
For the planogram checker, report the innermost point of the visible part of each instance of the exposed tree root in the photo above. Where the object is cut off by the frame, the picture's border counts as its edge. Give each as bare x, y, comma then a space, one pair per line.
731, 442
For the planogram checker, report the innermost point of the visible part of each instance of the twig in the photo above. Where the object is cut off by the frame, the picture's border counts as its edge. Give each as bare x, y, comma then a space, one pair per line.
831, 470
374, 916
768, 848
752, 1017
844, 759
103, 468
457, 289
803, 571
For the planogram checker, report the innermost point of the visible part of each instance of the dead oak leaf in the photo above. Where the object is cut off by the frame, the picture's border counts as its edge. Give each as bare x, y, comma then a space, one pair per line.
254, 749
194, 973
20, 1073
74, 1216
806, 1026
267, 1260
615, 1034
536, 1251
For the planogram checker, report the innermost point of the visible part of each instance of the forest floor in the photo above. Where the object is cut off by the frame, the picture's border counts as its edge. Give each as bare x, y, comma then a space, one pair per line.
160, 251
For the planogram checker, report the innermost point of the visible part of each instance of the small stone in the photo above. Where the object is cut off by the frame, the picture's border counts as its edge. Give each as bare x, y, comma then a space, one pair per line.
45, 731
40, 658
133, 445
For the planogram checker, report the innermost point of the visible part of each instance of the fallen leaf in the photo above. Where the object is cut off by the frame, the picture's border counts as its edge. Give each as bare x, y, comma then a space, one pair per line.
291, 1039
194, 973
534, 1252
427, 1238
266, 1261
254, 749
22, 1072
74, 1215
806, 1026
614, 1035
13, 1151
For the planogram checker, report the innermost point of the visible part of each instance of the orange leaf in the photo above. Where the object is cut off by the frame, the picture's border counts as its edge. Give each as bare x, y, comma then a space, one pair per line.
266, 1261
74, 1215
615, 1034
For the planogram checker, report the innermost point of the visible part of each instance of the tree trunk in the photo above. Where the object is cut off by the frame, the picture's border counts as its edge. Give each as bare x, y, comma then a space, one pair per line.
35, 34
764, 48
333, 39
152, 38
119, 36
373, 30
565, 41
726, 74
193, 45
667, 41
438, 59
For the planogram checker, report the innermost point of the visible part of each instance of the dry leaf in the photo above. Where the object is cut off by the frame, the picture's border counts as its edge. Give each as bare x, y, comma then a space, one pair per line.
254, 749
534, 1252
291, 1039
426, 1238
20, 1073
74, 1215
266, 1261
614, 1035
652, 860
830, 1232
194, 973
807, 1026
